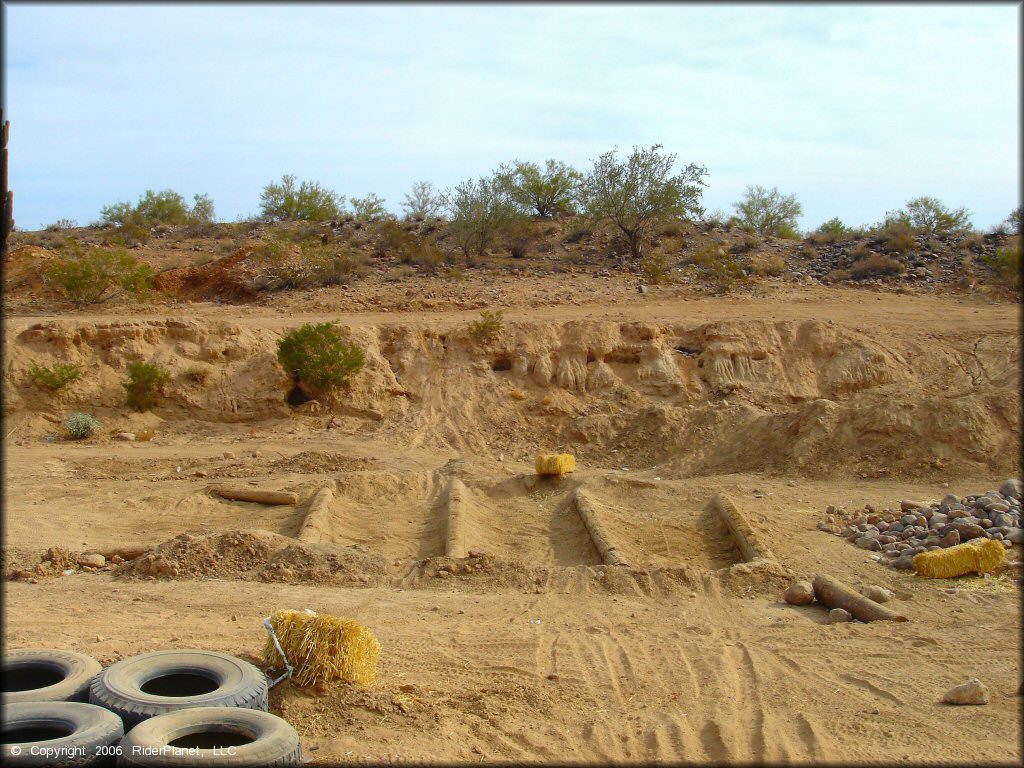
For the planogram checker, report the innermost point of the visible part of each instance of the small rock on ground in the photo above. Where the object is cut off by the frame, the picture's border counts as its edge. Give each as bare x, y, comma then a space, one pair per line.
837, 615
800, 593
971, 692
878, 594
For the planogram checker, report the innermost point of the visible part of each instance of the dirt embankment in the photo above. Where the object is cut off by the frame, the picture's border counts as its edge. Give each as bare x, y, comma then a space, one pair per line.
696, 398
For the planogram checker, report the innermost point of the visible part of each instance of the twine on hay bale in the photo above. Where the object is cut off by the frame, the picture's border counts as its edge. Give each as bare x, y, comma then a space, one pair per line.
555, 463
975, 556
322, 648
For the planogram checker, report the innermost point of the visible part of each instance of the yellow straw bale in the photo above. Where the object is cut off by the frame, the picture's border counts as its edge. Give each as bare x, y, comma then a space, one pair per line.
323, 648
555, 463
976, 556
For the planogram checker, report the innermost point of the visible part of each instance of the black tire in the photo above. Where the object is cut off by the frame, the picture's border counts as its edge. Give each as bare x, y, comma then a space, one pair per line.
177, 680
73, 734
270, 740
47, 674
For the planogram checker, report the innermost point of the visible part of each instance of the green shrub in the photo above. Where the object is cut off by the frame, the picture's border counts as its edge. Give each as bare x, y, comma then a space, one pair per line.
898, 237
87, 276
60, 224
876, 265
479, 211
765, 265
56, 376
422, 201
580, 228
546, 193
656, 268
926, 215
81, 425
768, 212
197, 374
639, 193
831, 231
319, 357
144, 384
1015, 221
394, 240
717, 267
488, 327
308, 202
369, 208
1006, 265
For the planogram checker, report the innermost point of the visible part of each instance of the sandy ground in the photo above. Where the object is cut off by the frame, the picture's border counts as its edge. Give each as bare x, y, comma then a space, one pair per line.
548, 656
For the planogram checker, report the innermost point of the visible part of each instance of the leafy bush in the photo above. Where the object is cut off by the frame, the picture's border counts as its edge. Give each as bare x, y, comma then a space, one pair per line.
422, 201
145, 382
488, 327
369, 208
396, 241
717, 267
580, 228
60, 224
317, 355
308, 202
1015, 221
197, 374
831, 231
81, 425
898, 237
479, 211
166, 207
547, 192
640, 192
876, 265
656, 268
768, 211
926, 215
1006, 265
87, 276
768, 265
56, 376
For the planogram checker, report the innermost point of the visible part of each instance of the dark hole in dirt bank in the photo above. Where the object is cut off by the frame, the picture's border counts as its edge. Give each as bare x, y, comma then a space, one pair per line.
629, 356
502, 362
296, 395
689, 351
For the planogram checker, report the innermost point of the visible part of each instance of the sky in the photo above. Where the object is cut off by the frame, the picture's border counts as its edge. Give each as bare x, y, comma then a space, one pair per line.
855, 109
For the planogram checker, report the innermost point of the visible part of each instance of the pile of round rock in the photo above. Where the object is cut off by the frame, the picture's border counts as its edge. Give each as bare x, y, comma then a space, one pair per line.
919, 527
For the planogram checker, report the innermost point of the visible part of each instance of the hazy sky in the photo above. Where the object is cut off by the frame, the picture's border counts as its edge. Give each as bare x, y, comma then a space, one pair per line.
855, 109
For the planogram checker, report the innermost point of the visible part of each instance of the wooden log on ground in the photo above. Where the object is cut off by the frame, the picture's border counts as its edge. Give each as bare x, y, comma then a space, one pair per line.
126, 553
315, 526
742, 532
604, 544
832, 593
254, 495
455, 531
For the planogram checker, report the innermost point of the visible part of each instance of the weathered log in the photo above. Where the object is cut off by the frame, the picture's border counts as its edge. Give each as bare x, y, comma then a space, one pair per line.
316, 525
455, 533
254, 495
125, 553
604, 544
832, 593
742, 532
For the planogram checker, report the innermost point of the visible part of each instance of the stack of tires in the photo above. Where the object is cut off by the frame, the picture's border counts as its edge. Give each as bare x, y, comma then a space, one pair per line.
191, 708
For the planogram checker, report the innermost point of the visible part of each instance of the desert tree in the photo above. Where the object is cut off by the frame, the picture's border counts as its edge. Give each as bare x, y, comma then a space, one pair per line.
422, 201
479, 210
768, 211
369, 208
307, 202
927, 215
546, 192
639, 192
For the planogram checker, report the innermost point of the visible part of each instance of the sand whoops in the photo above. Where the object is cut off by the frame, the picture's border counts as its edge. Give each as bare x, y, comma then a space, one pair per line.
527, 645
